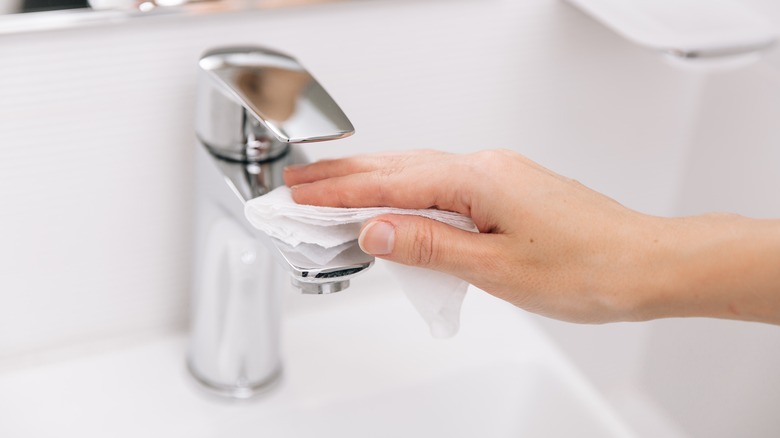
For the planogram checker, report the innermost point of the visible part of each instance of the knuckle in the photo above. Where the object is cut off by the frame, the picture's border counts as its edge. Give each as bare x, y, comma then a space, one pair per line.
492, 158
421, 251
381, 185
496, 154
484, 155
505, 153
483, 163
340, 197
384, 173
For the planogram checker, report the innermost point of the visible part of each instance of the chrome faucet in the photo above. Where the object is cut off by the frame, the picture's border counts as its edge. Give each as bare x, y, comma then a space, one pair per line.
253, 106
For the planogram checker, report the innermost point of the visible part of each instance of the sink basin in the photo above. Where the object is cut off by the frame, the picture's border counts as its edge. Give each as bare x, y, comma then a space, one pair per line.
357, 364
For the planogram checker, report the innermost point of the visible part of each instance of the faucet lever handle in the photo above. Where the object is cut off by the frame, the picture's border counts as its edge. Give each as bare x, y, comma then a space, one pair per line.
245, 90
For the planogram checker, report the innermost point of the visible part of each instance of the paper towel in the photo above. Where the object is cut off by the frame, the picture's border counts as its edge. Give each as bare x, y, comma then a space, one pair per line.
322, 233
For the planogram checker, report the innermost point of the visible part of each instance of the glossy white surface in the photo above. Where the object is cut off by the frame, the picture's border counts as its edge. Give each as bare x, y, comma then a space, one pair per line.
357, 364
697, 27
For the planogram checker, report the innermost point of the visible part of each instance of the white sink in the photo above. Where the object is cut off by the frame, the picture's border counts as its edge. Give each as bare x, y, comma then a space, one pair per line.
357, 364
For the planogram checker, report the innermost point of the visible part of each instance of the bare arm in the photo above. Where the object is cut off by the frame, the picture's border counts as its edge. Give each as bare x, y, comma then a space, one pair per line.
551, 245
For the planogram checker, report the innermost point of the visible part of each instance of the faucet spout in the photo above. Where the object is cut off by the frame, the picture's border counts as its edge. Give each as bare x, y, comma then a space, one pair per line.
254, 106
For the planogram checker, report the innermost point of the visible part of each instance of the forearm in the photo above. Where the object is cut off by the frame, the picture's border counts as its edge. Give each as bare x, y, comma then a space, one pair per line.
722, 266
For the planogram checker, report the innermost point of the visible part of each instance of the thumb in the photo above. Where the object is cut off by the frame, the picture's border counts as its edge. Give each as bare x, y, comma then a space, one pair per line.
423, 242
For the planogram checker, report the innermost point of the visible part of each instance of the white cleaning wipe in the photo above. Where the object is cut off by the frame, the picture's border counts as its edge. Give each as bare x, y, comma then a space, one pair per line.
322, 233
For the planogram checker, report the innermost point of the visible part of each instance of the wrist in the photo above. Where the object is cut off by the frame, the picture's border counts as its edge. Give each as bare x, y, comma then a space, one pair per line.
715, 265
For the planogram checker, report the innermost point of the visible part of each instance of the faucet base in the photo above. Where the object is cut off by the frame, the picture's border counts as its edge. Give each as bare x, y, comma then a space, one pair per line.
320, 288
241, 390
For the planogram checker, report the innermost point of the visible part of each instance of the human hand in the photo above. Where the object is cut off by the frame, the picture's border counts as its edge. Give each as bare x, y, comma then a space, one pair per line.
546, 244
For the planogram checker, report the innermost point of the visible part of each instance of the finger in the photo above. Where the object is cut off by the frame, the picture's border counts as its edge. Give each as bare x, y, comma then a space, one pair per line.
302, 174
426, 243
442, 185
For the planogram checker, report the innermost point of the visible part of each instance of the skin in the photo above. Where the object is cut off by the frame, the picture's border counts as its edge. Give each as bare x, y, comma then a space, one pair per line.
550, 245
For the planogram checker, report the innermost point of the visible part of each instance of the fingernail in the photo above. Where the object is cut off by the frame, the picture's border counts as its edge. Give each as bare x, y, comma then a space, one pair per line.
377, 238
294, 167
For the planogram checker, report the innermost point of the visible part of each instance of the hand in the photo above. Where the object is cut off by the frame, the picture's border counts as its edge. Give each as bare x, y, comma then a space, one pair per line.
546, 244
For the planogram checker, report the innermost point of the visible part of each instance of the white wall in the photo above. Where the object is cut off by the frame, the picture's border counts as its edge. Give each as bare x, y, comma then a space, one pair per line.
719, 378
96, 142
708, 377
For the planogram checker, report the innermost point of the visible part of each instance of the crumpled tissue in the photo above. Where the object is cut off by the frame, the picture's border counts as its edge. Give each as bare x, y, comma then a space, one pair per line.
322, 233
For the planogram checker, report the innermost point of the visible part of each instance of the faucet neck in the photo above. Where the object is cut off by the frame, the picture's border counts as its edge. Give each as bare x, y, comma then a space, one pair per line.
257, 145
